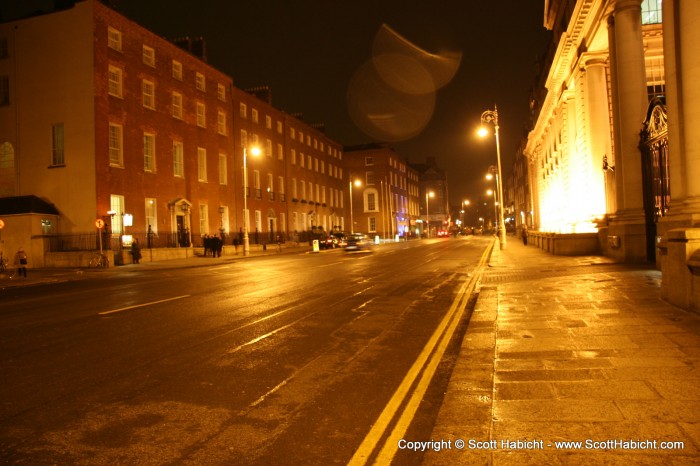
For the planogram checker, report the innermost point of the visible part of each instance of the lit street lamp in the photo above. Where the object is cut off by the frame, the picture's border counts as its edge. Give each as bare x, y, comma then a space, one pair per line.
428, 194
357, 183
246, 241
491, 116
465, 202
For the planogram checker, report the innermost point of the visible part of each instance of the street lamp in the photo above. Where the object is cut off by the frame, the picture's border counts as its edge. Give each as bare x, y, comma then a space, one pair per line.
357, 183
428, 194
246, 242
491, 116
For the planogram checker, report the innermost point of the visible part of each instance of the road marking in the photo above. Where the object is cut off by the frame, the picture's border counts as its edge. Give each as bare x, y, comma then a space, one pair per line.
426, 363
142, 305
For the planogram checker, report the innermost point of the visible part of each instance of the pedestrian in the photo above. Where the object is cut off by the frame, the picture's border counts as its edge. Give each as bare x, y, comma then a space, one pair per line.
135, 251
21, 262
523, 234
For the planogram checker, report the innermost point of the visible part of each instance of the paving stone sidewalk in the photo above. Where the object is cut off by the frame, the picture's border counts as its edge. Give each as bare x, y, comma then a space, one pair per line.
572, 349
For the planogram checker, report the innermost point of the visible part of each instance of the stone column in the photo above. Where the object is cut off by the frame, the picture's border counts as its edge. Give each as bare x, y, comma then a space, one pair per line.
681, 226
627, 235
682, 68
598, 129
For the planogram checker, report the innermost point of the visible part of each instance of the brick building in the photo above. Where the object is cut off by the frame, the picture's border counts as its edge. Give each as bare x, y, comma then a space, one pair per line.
385, 201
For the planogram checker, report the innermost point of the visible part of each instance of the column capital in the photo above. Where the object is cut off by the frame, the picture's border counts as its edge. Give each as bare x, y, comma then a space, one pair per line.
620, 5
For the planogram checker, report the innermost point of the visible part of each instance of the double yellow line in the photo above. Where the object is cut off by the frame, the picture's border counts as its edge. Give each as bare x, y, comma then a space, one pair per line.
425, 367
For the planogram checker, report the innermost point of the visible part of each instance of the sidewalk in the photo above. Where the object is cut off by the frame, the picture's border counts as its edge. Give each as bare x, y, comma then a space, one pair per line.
55, 275
572, 349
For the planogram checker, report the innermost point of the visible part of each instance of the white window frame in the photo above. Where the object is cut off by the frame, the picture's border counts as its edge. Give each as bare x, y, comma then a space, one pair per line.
201, 164
203, 219
116, 145
200, 82
201, 115
177, 105
178, 159
116, 83
221, 122
223, 169
148, 88
149, 152
114, 39
177, 70
151, 211
149, 56
221, 92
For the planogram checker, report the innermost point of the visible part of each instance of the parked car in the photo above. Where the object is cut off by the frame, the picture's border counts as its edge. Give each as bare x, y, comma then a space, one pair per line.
358, 242
329, 242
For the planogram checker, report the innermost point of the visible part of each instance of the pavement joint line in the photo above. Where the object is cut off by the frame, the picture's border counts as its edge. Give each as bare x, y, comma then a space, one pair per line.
426, 363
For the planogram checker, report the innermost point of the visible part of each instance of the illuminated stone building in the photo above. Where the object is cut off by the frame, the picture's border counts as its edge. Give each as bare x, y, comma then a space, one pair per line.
585, 169
613, 161
385, 197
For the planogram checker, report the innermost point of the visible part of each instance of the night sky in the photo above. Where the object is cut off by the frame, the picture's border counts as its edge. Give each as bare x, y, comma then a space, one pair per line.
314, 54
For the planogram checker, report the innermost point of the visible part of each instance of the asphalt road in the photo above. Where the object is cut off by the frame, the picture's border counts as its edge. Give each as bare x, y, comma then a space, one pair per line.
271, 360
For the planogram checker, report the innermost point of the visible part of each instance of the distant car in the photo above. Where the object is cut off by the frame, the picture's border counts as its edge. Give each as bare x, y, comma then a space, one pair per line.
443, 234
358, 242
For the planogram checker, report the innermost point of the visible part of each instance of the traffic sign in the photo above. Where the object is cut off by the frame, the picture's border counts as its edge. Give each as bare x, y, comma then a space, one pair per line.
99, 223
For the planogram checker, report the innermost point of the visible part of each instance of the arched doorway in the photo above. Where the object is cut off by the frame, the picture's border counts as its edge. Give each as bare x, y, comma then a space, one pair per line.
655, 170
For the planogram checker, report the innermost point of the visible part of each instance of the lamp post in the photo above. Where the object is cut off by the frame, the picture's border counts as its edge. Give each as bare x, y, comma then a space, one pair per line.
491, 116
428, 194
357, 183
246, 240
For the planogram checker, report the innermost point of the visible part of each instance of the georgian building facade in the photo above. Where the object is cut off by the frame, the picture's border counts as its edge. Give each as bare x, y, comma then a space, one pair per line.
115, 123
384, 191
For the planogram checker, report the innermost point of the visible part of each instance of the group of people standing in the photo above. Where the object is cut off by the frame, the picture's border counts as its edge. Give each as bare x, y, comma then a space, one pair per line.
212, 244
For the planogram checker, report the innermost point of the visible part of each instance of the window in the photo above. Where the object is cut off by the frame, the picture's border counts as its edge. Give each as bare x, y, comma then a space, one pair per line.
152, 216
149, 152
244, 138
369, 161
294, 189
149, 94
280, 152
258, 220
268, 148
372, 224
223, 171
221, 92
280, 188
308, 159
115, 81
268, 122
371, 205
270, 187
200, 82
178, 160
243, 111
116, 158
651, 12
221, 123
116, 205
149, 56
223, 212
202, 164
256, 184
254, 115
369, 178
114, 39
302, 160
294, 157
177, 105
57, 155
201, 115
203, 219
279, 127
177, 70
